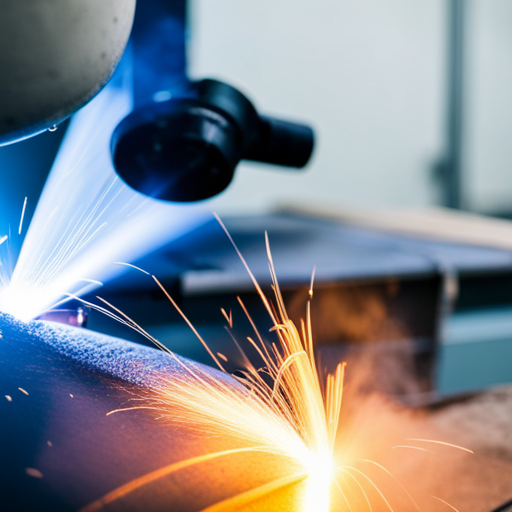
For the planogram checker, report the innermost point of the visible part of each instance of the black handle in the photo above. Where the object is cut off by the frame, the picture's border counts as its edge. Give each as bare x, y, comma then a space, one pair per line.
282, 143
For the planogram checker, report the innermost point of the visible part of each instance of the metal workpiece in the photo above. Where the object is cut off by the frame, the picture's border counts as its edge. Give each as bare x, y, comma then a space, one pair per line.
59, 449
56, 55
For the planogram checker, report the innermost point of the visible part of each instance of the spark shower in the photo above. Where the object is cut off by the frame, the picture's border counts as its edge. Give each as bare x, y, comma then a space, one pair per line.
86, 218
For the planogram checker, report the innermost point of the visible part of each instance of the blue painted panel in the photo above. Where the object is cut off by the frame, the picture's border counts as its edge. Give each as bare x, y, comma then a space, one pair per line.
476, 352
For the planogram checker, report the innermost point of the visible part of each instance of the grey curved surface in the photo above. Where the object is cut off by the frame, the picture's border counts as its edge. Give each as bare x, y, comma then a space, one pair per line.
55, 56
113, 357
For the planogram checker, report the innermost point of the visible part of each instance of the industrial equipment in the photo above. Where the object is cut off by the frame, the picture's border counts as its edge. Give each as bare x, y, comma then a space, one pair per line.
187, 149
435, 310
183, 140
400, 308
56, 55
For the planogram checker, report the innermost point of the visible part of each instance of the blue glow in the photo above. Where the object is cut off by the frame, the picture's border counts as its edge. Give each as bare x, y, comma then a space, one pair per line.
86, 218
161, 96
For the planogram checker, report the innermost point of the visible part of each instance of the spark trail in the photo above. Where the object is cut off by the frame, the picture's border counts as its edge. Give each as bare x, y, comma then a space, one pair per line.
285, 409
86, 218
288, 415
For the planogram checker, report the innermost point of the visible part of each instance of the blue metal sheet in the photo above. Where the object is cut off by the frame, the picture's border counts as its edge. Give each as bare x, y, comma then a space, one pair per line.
205, 260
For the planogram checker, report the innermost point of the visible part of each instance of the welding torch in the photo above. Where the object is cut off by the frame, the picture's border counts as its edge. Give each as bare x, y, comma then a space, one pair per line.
183, 140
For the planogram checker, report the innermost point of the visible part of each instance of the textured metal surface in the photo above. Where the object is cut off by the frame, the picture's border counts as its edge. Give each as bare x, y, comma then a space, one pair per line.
110, 356
57, 384
59, 451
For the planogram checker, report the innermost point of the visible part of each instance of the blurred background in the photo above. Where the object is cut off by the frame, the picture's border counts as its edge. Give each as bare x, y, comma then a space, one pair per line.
369, 75
397, 92
410, 102
382, 81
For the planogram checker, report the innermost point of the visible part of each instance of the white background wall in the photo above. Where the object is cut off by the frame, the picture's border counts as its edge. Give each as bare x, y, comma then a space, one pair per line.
488, 141
368, 74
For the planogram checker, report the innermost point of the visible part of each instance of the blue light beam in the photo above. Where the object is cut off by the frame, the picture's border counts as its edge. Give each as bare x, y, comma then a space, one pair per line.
86, 218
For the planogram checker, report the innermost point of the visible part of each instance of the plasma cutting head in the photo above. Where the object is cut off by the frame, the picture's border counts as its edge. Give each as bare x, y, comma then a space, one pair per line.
187, 149
56, 55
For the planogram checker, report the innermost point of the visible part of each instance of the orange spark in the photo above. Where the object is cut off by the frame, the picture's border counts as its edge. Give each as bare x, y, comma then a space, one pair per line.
280, 409
410, 447
445, 503
289, 416
450, 445
229, 317
34, 473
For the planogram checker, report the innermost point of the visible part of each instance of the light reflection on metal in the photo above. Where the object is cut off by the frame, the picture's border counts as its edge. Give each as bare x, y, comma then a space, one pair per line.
75, 317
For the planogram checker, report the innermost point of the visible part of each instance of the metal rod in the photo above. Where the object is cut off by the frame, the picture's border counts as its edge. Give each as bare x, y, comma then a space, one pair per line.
453, 165
507, 507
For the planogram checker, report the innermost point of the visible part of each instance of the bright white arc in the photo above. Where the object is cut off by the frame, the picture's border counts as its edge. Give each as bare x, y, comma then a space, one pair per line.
86, 218
22, 215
